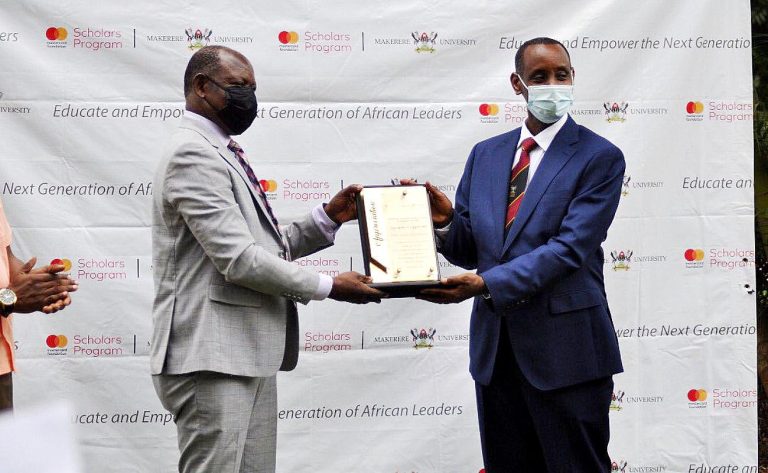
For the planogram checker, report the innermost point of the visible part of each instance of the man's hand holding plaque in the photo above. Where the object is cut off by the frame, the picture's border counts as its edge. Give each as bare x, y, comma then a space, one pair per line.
342, 207
457, 288
349, 286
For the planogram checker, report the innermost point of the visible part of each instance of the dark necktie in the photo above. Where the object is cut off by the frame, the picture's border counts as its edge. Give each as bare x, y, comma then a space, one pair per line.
254, 180
518, 181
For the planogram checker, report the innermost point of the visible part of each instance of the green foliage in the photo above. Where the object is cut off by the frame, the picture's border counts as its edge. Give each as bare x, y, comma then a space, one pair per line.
760, 80
759, 13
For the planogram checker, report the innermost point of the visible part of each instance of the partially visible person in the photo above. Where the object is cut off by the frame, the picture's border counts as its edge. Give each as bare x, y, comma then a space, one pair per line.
24, 289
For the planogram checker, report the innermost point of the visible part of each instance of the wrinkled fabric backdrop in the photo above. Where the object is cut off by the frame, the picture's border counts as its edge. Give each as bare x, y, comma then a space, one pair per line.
356, 93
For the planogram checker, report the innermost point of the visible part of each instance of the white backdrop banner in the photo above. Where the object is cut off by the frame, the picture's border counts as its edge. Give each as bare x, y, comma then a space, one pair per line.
363, 92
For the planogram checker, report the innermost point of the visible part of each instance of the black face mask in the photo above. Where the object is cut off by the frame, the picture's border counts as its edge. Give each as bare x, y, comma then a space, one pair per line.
241, 107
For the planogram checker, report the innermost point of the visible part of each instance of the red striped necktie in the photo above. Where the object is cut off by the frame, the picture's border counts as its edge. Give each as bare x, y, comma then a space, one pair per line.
235, 148
518, 181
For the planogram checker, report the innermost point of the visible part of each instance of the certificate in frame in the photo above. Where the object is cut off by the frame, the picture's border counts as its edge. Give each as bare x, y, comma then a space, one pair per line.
398, 239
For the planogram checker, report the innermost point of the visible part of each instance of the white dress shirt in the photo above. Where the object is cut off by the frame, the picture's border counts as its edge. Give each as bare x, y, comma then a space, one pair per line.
323, 222
543, 140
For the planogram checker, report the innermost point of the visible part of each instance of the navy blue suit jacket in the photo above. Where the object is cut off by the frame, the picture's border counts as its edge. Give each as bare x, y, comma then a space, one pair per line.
546, 277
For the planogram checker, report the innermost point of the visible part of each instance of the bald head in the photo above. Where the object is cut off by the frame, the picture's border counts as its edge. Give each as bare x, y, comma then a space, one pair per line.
207, 61
210, 72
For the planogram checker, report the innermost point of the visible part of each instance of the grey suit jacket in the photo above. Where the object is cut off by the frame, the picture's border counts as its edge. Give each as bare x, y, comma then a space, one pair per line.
225, 289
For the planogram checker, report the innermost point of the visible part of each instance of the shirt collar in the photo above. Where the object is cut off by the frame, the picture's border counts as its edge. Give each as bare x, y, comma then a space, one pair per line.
545, 138
209, 126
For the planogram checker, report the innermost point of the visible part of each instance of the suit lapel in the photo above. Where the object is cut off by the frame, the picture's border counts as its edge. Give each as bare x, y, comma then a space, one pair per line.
561, 150
499, 184
229, 156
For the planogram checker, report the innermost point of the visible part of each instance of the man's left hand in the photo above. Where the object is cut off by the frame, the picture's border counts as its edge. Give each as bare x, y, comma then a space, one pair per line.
45, 288
342, 207
454, 289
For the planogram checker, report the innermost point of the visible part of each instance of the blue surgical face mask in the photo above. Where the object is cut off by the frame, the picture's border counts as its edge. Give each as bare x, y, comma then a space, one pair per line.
548, 103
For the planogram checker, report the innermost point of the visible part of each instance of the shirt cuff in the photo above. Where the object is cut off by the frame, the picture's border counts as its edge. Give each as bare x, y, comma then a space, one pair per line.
442, 233
324, 286
327, 226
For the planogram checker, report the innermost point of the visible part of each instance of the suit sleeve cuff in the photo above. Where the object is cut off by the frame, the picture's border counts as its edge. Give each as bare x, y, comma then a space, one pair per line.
327, 226
324, 286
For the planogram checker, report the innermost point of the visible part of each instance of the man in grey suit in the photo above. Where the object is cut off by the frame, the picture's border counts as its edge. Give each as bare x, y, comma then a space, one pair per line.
224, 316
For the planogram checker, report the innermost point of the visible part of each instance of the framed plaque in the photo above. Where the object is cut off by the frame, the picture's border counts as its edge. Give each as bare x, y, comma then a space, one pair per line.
398, 239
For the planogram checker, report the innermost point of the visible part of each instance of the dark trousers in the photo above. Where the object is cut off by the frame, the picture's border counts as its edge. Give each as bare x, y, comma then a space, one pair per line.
526, 430
6, 392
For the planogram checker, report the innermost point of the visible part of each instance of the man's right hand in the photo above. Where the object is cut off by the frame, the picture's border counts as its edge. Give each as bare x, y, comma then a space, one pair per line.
45, 289
351, 287
439, 203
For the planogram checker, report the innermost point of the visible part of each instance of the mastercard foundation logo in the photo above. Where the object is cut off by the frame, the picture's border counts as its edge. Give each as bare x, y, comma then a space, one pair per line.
268, 185
64, 261
694, 108
697, 395
56, 34
288, 37
56, 341
693, 255
489, 109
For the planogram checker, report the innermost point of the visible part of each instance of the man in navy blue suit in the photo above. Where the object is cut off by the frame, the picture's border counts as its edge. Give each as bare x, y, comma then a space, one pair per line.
532, 209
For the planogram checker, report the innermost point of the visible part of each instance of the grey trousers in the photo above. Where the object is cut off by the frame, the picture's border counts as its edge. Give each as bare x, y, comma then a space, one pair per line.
225, 423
